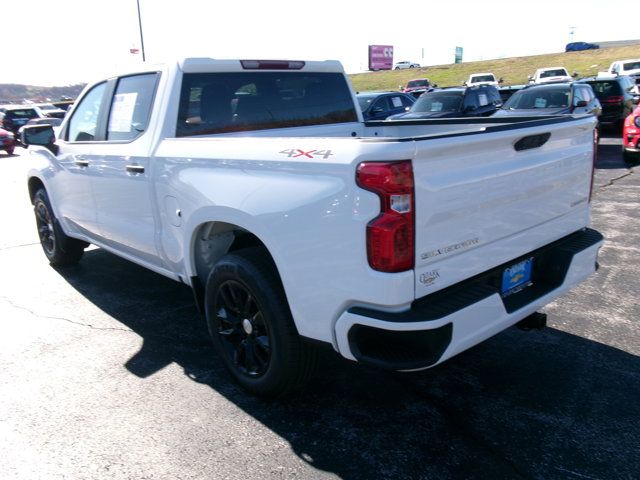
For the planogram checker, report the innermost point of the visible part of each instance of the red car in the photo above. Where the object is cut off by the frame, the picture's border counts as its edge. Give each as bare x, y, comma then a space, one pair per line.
7, 142
631, 137
415, 84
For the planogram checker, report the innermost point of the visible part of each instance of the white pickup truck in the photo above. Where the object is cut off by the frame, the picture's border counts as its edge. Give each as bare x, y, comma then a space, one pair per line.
551, 74
257, 183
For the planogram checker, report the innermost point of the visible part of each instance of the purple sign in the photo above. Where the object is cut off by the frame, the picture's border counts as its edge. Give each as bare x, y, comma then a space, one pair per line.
380, 57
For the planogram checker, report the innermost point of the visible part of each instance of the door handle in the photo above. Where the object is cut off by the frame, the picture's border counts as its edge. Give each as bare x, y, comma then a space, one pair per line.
135, 168
81, 163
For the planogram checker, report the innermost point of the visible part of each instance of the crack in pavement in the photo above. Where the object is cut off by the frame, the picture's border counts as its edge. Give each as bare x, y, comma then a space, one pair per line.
611, 182
19, 246
20, 307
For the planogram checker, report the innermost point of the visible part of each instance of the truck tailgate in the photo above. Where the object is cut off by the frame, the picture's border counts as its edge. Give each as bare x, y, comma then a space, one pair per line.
483, 199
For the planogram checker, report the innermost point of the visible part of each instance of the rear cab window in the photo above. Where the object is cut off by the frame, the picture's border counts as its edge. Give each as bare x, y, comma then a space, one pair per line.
212, 103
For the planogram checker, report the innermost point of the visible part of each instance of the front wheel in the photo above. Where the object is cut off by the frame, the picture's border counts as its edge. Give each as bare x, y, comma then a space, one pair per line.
60, 249
251, 325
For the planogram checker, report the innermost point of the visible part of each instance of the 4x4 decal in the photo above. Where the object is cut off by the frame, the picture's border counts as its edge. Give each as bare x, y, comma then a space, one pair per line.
296, 152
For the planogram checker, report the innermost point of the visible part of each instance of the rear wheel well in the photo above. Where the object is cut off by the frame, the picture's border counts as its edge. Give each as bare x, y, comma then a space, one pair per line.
213, 240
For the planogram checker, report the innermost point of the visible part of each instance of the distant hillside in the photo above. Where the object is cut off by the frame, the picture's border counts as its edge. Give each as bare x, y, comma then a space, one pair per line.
10, 92
514, 71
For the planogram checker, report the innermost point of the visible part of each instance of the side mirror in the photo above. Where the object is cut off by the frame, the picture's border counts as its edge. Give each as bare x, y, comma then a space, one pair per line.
42, 135
575, 74
501, 80
581, 103
464, 84
530, 78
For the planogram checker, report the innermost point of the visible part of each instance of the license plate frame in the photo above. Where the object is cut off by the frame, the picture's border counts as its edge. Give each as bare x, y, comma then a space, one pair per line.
517, 277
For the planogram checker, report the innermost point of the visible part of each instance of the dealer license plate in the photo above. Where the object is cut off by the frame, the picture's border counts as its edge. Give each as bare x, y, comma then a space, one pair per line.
516, 277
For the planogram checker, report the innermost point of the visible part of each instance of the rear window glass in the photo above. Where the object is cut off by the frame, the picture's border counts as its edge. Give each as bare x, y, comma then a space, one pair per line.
483, 78
438, 102
24, 113
418, 83
539, 98
234, 102
631, 65
606, 88
554, 73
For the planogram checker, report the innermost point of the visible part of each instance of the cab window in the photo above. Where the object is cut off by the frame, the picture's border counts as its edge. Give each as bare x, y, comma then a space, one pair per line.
131, 107
84, 123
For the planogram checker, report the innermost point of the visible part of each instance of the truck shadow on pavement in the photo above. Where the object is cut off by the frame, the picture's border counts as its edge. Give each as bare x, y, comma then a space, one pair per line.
543, 404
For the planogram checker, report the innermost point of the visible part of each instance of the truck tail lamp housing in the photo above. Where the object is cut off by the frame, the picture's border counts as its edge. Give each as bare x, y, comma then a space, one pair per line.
390, 236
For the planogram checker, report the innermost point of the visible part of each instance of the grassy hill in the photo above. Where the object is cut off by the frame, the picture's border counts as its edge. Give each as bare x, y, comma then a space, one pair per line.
17, 93
514, 70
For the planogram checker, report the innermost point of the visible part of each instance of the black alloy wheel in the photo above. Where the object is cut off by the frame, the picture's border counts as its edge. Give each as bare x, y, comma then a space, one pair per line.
46, 232
251, 326
59, 249
242, 329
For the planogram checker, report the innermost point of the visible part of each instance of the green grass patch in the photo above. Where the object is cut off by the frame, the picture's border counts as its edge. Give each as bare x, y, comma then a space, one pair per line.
514, 70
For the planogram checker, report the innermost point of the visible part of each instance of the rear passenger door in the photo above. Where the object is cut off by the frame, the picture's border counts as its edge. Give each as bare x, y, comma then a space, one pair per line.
122, 184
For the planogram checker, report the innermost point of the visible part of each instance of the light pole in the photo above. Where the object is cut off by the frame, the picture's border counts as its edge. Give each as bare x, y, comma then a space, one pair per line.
141, 36
571, 32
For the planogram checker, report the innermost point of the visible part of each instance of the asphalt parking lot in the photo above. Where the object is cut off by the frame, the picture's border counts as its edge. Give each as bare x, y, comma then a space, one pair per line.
106, 372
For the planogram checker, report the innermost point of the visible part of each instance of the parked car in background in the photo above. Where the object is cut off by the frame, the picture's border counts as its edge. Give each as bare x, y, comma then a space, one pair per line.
405, 64
507, 91
454, 102
417, 84
616, 94
51, 111
551, 99
578, 46
481, 79
15, 116
625, 67
7, 141
631, 137
63, 104
380, 105
551, 74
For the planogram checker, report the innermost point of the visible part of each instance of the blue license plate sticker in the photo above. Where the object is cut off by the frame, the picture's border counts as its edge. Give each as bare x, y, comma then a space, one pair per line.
516, 277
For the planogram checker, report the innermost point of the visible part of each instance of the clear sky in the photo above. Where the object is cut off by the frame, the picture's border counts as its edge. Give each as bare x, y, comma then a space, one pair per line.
71, 41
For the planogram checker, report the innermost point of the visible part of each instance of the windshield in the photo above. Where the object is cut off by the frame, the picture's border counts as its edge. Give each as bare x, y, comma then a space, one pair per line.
631, 65
560, 72
483, 78
438, 102
539, 98
418, 83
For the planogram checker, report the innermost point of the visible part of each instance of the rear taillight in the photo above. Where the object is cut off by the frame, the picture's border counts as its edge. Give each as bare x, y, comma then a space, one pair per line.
613, 99
390, 236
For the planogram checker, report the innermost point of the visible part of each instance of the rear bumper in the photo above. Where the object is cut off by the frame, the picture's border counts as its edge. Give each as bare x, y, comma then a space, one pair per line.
452, 320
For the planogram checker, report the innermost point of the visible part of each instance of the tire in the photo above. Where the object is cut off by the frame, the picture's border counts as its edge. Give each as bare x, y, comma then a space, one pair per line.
10, 150
630, 158
251, 326
59, 249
